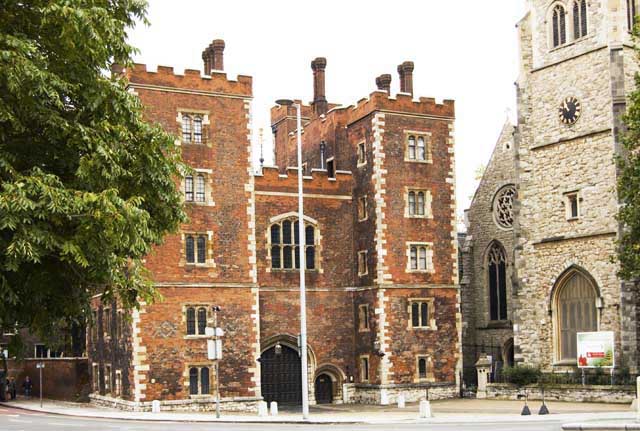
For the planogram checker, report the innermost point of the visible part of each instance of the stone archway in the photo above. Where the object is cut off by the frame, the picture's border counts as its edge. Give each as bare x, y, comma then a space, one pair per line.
324, 389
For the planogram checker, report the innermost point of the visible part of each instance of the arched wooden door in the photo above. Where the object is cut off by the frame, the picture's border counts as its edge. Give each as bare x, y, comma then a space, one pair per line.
324, 389
280, 376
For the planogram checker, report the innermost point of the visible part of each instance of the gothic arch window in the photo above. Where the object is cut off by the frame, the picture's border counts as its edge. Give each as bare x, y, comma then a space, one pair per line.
558, 26
503, 206
579, 18
631, 13
497, 278
284, 244
574, 311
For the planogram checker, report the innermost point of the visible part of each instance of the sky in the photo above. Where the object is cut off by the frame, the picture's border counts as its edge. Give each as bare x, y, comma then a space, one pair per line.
465, 50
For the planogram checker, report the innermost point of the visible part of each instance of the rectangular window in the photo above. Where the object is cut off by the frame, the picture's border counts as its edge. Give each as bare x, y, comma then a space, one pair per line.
362, 263
118, 383
362, 208
420, 257
331, 168
192, 128
572, 203
95, 377
424, 368
417, 146
107, 379
199, 380
106, 321
418, 203
196, 249
362, 154
188, 188
40, 351
363, 317
420, 313
364, 369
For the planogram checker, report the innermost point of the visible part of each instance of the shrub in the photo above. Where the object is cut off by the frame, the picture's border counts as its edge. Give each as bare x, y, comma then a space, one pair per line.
522, 375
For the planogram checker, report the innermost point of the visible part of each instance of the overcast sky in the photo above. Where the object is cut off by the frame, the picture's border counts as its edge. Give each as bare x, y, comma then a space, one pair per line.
466, 50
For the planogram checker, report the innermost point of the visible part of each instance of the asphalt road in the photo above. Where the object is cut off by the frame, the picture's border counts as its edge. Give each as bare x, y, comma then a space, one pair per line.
21, 420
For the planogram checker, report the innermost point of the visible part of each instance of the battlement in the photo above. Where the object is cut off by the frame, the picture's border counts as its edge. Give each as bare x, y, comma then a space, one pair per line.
318, 182
279, 113
403, 102
191, 79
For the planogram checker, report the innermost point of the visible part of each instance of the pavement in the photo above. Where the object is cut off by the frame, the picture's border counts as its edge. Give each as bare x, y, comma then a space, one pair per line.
459, 411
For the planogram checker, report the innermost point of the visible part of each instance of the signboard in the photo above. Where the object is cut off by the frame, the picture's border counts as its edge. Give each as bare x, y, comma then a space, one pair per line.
214, 349
595, 349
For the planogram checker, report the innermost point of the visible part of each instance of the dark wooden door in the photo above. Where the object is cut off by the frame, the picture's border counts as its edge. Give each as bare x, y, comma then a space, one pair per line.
324, 389
280, 374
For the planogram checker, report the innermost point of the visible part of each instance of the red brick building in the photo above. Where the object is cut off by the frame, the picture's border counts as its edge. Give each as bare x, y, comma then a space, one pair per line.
380, 245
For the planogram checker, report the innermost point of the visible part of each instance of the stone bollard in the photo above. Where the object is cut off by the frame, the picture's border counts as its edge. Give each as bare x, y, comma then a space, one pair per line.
155, 406
273, 407
483, 367
345, 393
384, 397
425, 409
401, 401
262, 409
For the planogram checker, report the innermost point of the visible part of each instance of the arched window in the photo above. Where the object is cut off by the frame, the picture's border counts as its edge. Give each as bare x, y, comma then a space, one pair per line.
575, 311
412, 147
579, 18
202, 320
200, 188
193, 381
191, 321
204, 380
497, 267
284, 244
559, 26
412, 203
197, 130
631, 14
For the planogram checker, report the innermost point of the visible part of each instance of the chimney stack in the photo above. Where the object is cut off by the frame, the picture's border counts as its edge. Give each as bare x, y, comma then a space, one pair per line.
319, 97
407, 68
213, 56
384, 83
401, 74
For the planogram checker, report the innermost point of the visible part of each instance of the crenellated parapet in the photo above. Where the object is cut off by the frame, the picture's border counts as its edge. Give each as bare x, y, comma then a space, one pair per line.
403, 102
191, 80
318, 182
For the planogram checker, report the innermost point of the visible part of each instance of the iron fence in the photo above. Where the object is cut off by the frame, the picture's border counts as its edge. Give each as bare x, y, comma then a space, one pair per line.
596, 376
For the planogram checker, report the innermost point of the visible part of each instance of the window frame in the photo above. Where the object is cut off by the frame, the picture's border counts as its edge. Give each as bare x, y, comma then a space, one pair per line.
363, 210
569, 199
412, 147
363, 264
430, 323
428, 255
199, 251
429, 375
198, 367
495, 255
364, 365
582, 16
361, 151
283, 247
198, 330
412, 203
363, 317
557, 26
190, 134
632, 13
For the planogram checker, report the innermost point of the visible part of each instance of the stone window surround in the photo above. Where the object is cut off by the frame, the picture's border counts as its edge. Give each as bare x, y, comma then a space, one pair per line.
427, 146
209, 261
361, 152
362, 262
317, 238
568, 16
365, 377
187, 384
566, 199
205, 123
183, 321
363, 310
430, 267
95, 376
496, 194
431, 314
118, 384
363, 200
430, 377
428, 213
107, 378
208, 189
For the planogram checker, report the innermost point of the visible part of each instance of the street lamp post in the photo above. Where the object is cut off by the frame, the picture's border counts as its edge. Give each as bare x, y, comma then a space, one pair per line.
214, 351
301, 250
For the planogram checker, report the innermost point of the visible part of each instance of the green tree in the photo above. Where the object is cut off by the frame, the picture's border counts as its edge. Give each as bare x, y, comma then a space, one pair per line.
629, 188
86, 186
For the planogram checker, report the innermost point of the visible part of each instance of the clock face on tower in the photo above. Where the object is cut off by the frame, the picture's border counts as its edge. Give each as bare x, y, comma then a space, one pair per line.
569, 111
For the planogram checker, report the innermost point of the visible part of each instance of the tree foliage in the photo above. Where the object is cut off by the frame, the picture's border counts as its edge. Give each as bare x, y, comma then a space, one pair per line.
86, 186
629, 188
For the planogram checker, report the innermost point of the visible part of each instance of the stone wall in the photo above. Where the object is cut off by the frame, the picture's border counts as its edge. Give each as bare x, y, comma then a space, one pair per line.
567, 393
208, 404
388, 394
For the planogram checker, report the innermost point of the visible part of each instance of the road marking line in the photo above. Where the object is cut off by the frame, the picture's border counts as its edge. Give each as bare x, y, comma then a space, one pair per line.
20, 421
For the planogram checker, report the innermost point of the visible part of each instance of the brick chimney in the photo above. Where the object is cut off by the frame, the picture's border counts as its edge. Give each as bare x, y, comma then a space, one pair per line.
401, 74
213, 56
383, 82
407, 75
320, 105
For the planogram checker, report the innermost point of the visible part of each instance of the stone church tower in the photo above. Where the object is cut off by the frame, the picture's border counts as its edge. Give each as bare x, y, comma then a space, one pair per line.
577, 66
555, 274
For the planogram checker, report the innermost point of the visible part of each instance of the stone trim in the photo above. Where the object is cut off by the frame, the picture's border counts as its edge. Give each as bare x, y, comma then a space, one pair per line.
187, 91
379, 172
571, 139
304, 195
384, 338
572, 238
139, 354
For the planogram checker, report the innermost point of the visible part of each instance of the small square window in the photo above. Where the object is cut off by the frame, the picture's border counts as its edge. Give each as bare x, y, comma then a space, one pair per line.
362, 154
362, 263
362, 208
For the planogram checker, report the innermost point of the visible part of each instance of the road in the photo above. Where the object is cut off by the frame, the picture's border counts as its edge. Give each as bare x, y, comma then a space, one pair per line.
21, 420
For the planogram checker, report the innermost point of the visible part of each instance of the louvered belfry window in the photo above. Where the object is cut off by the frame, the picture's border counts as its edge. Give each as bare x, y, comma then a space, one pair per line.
559, 26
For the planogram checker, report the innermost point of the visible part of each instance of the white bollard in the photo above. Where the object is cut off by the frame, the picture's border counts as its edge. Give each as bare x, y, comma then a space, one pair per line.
262, 409
345, 394
401, 401
384, 397
425, 409
155, 406
273, 407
